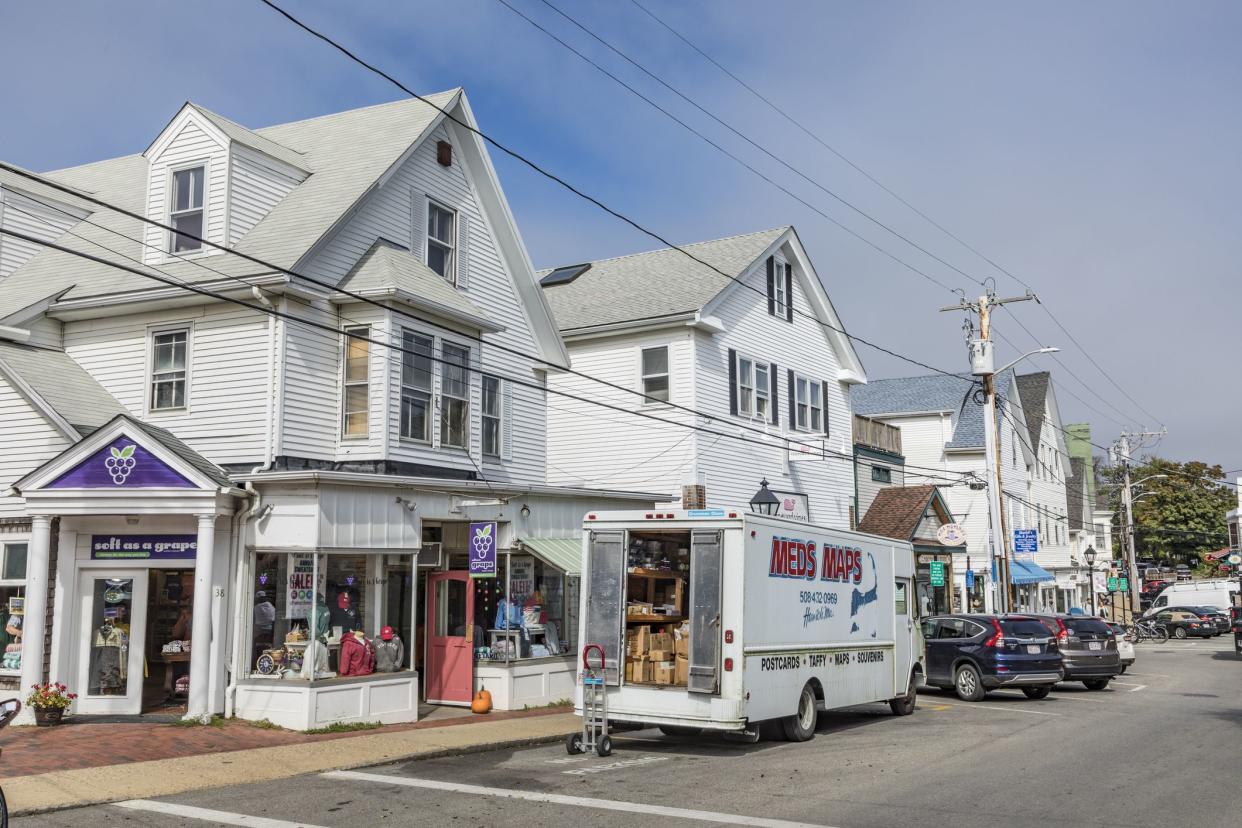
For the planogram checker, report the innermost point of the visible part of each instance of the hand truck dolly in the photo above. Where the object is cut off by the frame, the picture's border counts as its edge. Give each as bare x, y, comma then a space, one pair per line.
594, 735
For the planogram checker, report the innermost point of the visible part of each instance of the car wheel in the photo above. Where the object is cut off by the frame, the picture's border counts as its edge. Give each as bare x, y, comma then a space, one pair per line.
905, 705
968, 684
1037, 692
673, 730
1096, 684
1180, 633
800, 727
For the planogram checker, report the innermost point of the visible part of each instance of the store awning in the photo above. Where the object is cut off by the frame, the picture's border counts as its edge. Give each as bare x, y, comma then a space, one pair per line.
563, 553
1028, 572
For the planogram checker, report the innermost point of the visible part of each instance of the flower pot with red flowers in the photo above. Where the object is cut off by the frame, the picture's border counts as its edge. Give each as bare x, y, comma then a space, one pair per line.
49, 701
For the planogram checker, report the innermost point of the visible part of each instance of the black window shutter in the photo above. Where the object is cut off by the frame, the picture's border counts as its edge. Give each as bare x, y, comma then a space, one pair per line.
793, 400
771, 286
823, 398
788, 292
775, 414
732, 381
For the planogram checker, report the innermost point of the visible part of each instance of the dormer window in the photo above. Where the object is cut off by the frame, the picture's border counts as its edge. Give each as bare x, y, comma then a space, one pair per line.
440, 238
187, 209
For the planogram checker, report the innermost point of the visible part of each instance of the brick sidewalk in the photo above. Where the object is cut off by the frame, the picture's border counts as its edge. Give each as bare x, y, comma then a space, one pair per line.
73, 746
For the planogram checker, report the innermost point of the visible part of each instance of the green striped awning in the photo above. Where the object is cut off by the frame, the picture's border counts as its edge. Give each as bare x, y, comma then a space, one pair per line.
563, 553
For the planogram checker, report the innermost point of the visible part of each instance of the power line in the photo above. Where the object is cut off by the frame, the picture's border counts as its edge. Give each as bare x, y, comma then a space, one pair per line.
819, 140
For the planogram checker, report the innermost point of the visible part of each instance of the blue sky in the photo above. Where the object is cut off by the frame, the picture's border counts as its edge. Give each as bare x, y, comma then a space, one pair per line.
1090, 149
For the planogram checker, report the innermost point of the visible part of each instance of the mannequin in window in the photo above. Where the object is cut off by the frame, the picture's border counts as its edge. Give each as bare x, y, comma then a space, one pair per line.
389, 651
357, 658
345, 611
315, 662
110, 654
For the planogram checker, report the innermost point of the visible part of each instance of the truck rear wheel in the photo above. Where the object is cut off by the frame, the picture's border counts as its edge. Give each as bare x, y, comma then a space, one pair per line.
904, 705
800, 727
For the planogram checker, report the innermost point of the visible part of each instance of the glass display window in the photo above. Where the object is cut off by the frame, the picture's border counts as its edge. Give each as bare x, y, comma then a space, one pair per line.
12, 610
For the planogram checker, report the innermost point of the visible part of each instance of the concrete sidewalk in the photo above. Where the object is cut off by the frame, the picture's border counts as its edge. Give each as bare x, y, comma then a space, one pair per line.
163, 777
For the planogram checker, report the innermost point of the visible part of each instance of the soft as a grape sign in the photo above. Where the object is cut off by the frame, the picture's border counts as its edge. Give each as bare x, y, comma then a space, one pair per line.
483, 550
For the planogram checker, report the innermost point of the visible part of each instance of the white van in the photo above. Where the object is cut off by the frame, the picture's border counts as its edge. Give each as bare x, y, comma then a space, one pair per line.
720, 619
1214, 593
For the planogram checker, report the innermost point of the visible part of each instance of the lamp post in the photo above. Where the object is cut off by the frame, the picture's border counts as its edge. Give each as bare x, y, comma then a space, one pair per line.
1089, 556
764, 502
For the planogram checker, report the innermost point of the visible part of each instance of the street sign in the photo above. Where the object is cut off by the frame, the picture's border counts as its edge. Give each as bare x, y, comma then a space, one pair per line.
1125, 585
937, 573
1026, 540
1112, 584
951, 534
970, 579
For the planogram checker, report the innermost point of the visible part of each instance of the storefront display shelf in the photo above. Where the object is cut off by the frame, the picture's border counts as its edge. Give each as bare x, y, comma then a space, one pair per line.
655, 573
654, 619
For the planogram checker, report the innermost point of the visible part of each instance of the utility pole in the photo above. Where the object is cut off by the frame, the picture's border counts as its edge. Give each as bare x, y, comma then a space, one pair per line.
982, 365
1123, 448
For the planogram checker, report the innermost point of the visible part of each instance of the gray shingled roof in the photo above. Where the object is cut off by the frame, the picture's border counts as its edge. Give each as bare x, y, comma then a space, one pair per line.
1033, 389
347, 151
254, 140
934, 392
388, 269
657, 283
61, 383
171, 442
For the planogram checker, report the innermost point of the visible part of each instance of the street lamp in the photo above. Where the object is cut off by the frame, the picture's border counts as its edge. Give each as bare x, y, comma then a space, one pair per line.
1089, 556
764, 502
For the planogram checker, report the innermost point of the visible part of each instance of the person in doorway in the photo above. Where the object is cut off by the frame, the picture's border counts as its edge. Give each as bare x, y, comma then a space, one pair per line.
389, 651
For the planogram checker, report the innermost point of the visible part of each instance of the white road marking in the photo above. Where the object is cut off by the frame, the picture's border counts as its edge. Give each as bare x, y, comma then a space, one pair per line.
973, 706
208, 815
1069, 697
1147, 675
618, 765
1138, 687
575, 801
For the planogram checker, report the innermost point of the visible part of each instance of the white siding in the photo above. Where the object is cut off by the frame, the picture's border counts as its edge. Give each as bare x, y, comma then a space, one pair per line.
311, 422
866, 488
25, 215
29, 441
257, 184
194, 142
226, 417
593, 446
386, 213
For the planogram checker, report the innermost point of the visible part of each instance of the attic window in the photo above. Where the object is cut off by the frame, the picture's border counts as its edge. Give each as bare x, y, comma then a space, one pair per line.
186, 215
564, 275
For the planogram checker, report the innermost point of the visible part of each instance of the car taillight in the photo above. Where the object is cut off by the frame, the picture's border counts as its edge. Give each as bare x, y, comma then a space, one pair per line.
1062, 632
997, 639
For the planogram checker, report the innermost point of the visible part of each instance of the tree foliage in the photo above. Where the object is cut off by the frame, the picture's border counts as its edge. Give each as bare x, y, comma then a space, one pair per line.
1180, 517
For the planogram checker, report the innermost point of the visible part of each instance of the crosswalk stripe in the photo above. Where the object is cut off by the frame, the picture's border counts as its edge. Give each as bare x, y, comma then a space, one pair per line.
575, 801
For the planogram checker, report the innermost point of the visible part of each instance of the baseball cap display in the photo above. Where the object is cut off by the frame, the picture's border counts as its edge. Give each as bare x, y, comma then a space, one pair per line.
386, 633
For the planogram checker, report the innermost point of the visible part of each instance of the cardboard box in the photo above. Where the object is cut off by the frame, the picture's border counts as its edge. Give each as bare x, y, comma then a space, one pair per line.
643, 670
641, 642
681, 647
660, 655
639, 608
661, 641
681, 674
664, 672
629, 670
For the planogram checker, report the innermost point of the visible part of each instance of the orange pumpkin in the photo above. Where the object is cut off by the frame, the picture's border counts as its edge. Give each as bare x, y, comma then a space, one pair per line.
482, 701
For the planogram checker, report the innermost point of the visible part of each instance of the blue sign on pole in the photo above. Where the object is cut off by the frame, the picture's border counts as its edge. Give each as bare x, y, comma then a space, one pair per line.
483, 550
1025, 540
970, 579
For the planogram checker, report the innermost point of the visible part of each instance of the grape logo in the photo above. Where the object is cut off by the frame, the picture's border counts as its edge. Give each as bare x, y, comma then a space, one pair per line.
120, 463
483, 550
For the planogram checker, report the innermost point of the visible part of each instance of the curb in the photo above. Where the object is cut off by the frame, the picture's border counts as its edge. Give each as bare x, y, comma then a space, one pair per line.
482, 747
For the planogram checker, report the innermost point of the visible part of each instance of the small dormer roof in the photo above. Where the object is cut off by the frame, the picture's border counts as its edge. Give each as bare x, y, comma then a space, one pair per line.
235, 132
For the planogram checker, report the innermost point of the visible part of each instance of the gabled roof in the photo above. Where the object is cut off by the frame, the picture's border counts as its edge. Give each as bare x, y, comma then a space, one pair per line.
1033, 388
897, 511
658, 283
58, 387
389, 270
250, 138
173, 443
952, 394
349, 153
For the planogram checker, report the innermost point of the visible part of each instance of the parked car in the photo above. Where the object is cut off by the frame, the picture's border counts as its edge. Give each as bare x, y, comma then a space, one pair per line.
1125, 645
1088, 649
1183, 572
1184, 624
1219, 620
972, 654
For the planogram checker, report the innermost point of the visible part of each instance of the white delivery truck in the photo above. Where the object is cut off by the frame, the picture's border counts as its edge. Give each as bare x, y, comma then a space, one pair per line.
722, 619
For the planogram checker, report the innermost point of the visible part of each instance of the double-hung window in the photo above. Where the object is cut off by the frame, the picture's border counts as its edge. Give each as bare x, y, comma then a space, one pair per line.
168, 369
356, 407
455, 396
810, 402
745, 386
754, 388
491, 416
416, 386
762, 390
778, 290
186, 215
440, 240
655, 374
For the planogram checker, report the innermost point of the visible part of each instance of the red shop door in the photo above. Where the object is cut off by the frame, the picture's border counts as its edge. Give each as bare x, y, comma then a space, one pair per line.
450, 638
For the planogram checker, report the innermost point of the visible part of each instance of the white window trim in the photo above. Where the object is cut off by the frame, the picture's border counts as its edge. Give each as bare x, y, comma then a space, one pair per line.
169, 235
472, 370
668, 374
147, 399
499, 417
451, 278
344, 385
430, 391
753, 412
808, 428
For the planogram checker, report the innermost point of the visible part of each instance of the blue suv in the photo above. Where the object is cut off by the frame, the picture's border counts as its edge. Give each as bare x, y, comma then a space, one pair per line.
972, 654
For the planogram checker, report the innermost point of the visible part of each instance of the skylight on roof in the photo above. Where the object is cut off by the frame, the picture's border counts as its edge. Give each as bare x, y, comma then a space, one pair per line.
564, 275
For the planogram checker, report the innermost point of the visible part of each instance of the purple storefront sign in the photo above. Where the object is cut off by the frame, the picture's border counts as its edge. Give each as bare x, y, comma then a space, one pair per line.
144, 547
483, 550
122, 464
